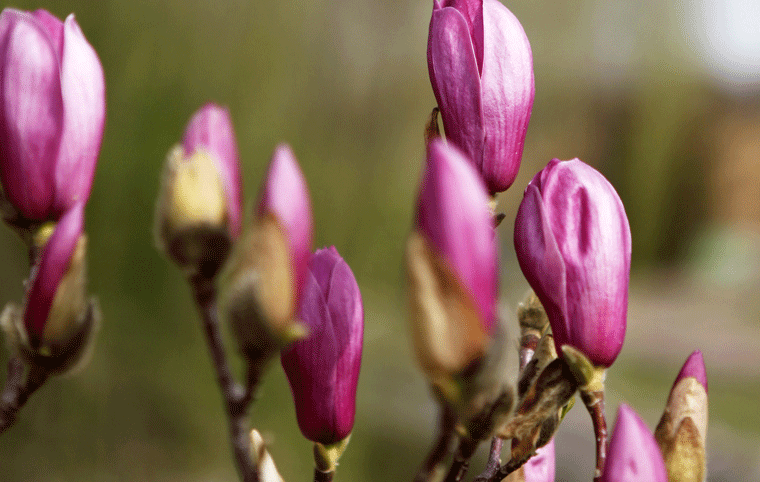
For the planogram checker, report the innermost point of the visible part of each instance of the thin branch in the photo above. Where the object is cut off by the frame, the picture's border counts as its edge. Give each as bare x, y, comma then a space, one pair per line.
462, 457
16, 393
594, 401
235, 397
442, 447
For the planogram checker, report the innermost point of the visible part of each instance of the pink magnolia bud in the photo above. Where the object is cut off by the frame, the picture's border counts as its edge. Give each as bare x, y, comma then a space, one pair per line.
682, 431
286, 197
481, 69
453, 215
573, 244
633, 455
323, 369
541, 467
210, 130
54, 305
52, 113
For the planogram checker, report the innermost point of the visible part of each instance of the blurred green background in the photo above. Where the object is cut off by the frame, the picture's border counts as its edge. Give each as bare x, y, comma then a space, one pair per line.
662, 98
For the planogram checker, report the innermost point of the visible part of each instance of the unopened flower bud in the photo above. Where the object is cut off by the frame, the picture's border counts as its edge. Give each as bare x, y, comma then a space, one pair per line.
481, 69
323, 369
539, 468
198, 211
262, 281
57, 321
682, 430
52, 113
451, 264
633, 455
573, 244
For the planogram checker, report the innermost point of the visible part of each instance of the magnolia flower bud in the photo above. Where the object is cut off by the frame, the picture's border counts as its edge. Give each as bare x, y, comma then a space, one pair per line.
261, 286
52, 113
57, 319
540, 468
198, 211
682, 430
481, 69
452, 265
633, 455
573, 244
323, 369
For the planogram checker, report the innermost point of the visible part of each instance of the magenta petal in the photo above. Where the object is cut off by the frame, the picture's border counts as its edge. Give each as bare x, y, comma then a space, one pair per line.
695, 368
323, 369
453, 214
210, 128
508, 90
286, 196
456, 81
633, 454
83, 88
53, 264
54, 28
542, 466
574, 246
31, 115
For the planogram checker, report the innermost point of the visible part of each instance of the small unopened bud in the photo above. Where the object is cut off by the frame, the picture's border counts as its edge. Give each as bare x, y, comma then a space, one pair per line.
682, 429
54, 328
263, 279
198, 210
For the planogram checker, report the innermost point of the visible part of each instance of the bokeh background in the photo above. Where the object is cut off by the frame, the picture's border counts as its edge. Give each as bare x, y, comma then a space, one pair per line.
662, 97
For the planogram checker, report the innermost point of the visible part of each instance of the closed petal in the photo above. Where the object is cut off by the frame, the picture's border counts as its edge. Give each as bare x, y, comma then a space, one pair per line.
633, 454
83, 87
456, 81
31, 119
507, 89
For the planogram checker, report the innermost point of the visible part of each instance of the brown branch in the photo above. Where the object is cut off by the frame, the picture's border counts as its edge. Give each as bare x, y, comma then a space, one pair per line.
16, 393
462, 457
236, 398
594, 401
442, 447
320, 476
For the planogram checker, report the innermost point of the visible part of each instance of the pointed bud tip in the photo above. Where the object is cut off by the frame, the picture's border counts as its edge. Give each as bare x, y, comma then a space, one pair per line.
695, 368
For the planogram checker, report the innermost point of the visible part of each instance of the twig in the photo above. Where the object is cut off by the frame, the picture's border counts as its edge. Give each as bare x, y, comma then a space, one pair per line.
16, 393
235, 397
594, 401
461, 463
442, 447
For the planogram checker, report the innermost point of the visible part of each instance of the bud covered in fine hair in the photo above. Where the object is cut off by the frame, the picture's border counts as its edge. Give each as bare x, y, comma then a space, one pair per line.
682, 430
633, 454
539, 468
57, 320
451, 263
52, 113
573, 244
323, 369
198, 214
264, 276
481, 69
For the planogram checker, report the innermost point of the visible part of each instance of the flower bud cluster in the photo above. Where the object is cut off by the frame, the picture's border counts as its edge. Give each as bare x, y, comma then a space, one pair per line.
275, 293
52, 113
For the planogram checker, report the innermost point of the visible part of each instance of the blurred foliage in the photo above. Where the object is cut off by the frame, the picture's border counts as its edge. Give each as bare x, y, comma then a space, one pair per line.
345, 83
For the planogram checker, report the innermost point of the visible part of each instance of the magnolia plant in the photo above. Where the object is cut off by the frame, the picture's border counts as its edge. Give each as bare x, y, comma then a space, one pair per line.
278, 297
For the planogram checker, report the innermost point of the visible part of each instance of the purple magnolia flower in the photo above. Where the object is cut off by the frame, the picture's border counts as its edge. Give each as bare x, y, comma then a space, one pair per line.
323, 369
633, 455
573, 243
55, 261
210, 129
453, 215
481, 69
52, 113
541, 467
286, 197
